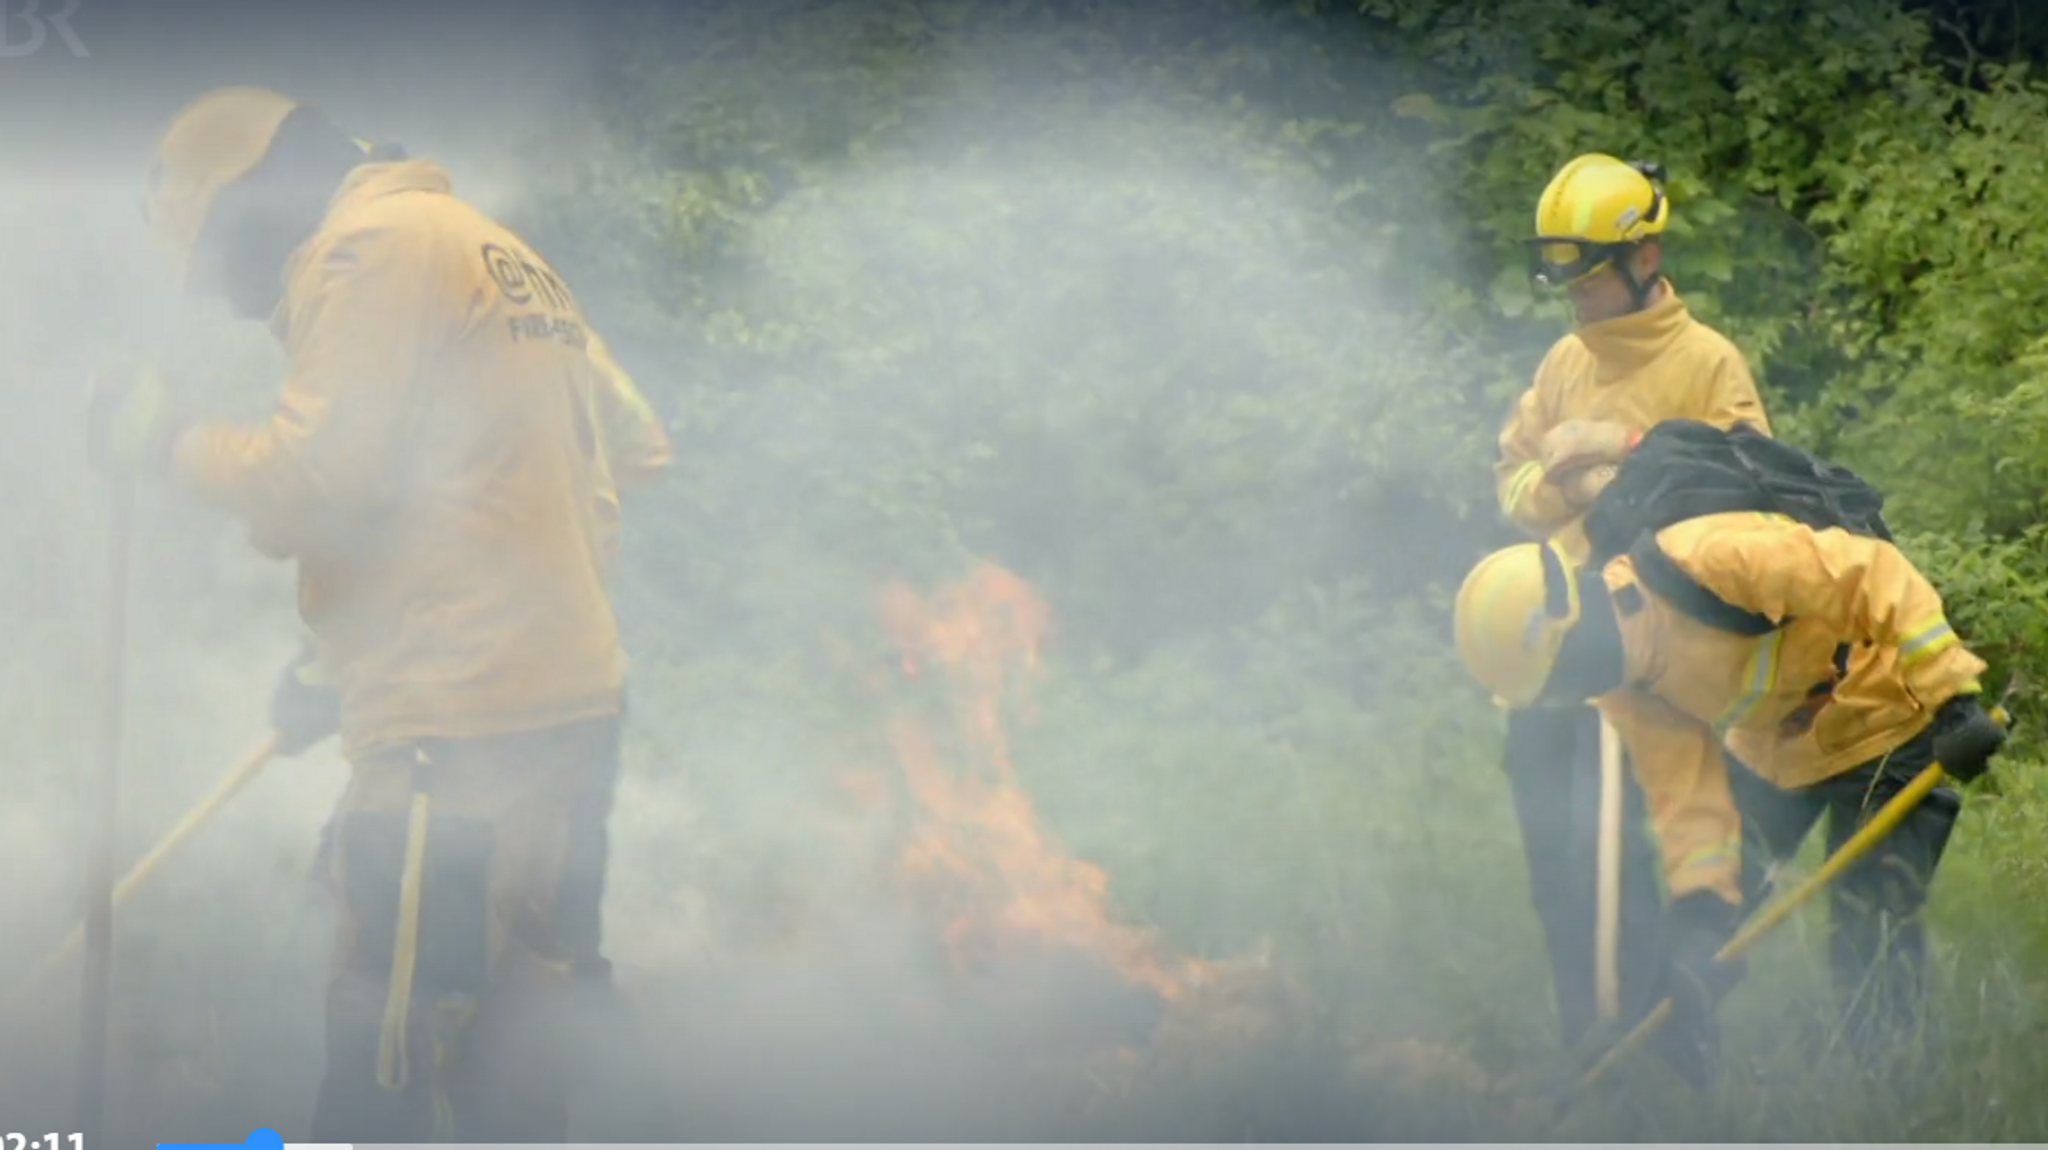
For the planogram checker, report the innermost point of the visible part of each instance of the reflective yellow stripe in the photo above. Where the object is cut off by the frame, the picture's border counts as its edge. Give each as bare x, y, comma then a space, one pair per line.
1761, 675
1582, 215
1927, 639
1519, 486
1714, 855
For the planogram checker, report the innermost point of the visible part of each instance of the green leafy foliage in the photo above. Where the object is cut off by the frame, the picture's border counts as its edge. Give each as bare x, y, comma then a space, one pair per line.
1202, 316
1122, 332
1203, 319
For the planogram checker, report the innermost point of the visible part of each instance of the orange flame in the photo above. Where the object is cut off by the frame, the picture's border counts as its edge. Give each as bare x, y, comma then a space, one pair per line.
968, 657
976, 850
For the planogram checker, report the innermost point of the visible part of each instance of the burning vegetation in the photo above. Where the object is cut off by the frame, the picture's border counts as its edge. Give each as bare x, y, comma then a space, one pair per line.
1010, 908
1017, 918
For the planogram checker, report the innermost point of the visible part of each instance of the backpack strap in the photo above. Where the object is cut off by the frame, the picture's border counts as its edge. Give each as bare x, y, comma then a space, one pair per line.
1669, 582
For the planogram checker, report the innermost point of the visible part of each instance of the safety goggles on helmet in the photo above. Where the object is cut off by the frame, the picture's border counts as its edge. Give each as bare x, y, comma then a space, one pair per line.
1560, 261
1622, 220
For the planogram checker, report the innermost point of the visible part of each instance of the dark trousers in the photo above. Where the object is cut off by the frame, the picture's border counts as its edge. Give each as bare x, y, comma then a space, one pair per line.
1553, 766
505, 859
1877, 944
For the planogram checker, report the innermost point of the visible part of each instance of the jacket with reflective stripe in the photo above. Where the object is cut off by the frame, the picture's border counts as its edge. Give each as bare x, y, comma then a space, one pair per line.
1866, 657
1637, 370
1678, 761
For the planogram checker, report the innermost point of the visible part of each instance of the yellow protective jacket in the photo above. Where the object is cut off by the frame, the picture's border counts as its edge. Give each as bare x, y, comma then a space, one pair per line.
635, 443
434, 467
1867, 657
1638, 370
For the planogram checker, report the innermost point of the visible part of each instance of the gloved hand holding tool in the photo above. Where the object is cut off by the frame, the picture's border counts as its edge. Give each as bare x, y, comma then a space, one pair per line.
131, 426
1965, 737
305, 709
1962, 728
238, 776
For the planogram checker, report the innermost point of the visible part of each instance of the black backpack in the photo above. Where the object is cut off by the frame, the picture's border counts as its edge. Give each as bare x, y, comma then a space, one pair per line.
1683, 469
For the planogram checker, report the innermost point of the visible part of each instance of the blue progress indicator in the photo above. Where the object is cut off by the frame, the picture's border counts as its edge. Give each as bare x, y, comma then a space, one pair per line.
265, 1139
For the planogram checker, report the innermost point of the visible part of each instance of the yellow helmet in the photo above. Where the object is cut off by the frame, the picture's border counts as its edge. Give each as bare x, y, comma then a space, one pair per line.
1595, 208
1513, 613
214, 141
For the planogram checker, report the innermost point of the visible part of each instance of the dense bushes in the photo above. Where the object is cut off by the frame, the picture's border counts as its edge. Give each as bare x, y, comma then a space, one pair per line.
1184, 310
1202, 316
1043, 290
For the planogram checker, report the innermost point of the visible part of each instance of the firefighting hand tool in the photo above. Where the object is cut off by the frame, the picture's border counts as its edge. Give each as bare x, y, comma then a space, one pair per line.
98, 933
130, 423
1859, 844
238, 776
1606, 924
1698, 925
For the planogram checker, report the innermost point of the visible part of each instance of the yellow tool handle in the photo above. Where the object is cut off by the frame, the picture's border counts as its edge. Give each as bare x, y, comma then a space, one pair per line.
1607, 923
237, 777
1845, 856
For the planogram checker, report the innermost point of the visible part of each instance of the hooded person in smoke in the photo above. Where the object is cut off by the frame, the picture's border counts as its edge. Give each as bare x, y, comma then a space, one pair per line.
436, 468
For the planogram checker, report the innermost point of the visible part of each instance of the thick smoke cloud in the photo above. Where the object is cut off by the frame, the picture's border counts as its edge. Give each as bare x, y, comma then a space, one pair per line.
786, 990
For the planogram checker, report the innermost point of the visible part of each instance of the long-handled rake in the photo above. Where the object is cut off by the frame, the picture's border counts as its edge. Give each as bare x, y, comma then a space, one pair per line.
1607, 920
98, 932
1847, 855
238, 776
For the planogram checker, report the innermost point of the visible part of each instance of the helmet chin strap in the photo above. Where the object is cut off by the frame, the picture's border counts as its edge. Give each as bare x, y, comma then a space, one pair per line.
1593, 660
1638, 290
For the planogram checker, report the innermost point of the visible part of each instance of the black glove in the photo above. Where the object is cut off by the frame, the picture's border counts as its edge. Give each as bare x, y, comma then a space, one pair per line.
1965, 738
1697, 926
304, 709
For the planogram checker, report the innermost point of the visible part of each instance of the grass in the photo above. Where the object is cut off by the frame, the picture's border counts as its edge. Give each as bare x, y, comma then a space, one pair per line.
1372, 854
1367, 853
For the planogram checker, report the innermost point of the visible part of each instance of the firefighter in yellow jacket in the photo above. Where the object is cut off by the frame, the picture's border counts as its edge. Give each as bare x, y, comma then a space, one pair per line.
1854, 615
304, 708
435, 469
1636, 357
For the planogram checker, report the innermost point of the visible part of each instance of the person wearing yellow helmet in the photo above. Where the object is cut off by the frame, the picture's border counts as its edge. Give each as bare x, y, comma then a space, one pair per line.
1848, 613
1598, 227
1636, 356
436, 466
